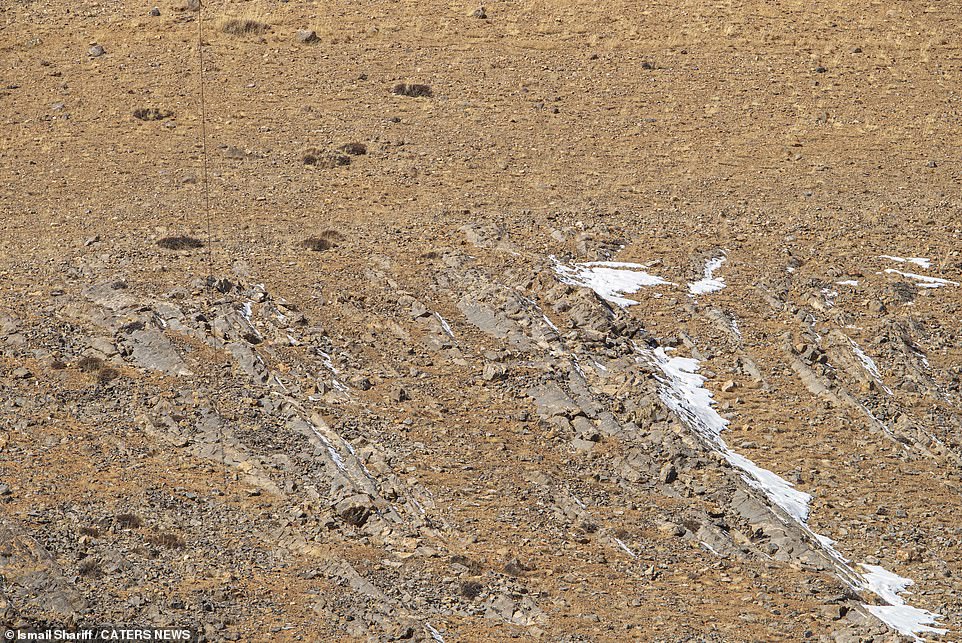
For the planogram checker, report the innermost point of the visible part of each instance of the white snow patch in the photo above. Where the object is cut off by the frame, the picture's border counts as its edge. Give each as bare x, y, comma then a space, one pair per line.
609, 279
625, 547
327, 361
906, 619
709, 283
331, 451
434, 633
709, 548
829, 295
869, 364
445, 325
736, 329
847, 282
921, 262
924, 281
683, 392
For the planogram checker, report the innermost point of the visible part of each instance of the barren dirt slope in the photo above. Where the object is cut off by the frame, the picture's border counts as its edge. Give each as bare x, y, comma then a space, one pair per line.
637, 321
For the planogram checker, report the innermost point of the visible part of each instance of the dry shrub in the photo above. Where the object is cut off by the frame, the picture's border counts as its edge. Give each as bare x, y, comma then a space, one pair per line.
90, 364
324, 159
471, 589
107, 374
413, 90
180, 243
128, 521
166, 539
151, 114
354, 149
247, 26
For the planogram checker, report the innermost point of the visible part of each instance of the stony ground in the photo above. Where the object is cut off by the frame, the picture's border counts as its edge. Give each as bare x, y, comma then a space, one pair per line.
396, 411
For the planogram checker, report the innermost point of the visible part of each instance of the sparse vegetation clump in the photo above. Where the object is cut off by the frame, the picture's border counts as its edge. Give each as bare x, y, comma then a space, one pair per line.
324, 159
324, 241
151, 114
90, 364
180, 243
471, 589
128, 521
354, 149
413, 90
166, 540
247, 26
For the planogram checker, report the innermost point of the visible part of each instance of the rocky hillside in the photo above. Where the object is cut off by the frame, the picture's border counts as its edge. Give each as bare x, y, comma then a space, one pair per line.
538, 321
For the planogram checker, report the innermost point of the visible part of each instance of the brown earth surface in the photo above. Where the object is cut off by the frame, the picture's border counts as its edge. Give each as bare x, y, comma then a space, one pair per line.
374, 404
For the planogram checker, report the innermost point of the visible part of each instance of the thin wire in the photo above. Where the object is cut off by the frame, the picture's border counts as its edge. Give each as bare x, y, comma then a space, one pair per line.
203, 138
210, 255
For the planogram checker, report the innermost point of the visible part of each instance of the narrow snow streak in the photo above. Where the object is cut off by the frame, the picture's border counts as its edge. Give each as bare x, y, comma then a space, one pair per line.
609, 279
869, 364
709, 283
924, 281
847, 282
445, 325
921, 262
434, 633
684, 393
625, 547
331, 451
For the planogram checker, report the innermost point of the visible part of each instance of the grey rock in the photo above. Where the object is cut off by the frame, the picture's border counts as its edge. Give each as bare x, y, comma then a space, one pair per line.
493, 372
151, 349
672, 529
583, 445
355, 510
585, 429
552, 401
307, 36
103, 346
96, 51
668, 474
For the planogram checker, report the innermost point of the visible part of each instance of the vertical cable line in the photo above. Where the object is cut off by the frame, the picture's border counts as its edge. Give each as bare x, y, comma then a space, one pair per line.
210, 251
203, 140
